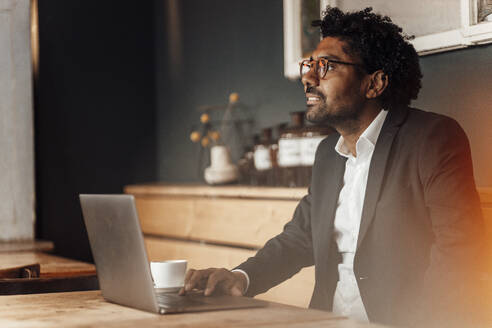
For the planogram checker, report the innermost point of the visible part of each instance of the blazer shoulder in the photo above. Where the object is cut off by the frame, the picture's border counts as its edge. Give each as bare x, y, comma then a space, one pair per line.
427, 119
423, 124
434, 139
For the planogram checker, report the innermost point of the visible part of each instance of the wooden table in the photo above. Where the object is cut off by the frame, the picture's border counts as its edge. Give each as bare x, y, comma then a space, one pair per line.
57, 274
51, 265
88, 309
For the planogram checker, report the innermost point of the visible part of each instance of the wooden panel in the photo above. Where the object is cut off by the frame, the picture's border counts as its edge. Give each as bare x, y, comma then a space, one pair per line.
199, 256
246, 222
296, 291
166, 216
243, 222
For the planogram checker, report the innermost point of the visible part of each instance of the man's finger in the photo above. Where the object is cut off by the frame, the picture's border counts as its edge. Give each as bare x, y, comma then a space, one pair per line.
188, 275
197, 279
215, 278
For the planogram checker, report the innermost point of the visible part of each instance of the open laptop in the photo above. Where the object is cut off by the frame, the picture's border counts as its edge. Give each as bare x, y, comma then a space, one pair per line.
121, 260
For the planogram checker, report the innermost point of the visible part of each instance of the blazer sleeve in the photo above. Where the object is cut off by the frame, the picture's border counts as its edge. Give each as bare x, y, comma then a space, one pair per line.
445, 167
284, 255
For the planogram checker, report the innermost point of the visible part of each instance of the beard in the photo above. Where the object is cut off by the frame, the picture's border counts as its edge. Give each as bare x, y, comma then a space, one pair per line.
345, 117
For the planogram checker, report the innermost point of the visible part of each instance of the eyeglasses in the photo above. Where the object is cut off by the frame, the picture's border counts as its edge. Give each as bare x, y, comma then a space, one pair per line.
321, 66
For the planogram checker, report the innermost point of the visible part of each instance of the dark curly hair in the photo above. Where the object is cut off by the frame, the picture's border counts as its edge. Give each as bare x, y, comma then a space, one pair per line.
381, 45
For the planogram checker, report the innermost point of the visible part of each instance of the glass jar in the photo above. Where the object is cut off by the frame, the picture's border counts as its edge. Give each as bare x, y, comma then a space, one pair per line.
289, 150
311, 138
263, 158
246, 168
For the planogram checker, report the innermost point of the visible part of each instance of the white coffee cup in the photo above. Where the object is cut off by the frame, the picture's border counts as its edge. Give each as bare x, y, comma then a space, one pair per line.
168, 274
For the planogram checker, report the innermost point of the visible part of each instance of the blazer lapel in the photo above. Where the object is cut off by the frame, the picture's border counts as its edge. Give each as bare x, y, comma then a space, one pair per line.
329, 183
332, 190
378, 166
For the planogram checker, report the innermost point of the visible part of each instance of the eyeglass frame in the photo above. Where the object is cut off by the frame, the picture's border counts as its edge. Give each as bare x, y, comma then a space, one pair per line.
329, 61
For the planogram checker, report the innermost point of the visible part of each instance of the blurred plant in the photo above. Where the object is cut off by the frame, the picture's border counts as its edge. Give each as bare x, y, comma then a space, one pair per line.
208, 136
233, 129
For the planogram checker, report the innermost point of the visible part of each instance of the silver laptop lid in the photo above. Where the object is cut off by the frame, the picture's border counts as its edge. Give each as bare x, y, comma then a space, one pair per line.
119, 250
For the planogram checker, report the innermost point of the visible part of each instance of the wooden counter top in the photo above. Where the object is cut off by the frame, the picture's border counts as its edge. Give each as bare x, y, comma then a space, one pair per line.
236, 191
88, 309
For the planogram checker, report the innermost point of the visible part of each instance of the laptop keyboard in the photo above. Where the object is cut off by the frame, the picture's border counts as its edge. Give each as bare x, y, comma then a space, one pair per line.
174, 300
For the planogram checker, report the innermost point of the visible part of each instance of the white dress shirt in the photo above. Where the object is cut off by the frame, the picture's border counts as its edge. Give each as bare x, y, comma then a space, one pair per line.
347, 300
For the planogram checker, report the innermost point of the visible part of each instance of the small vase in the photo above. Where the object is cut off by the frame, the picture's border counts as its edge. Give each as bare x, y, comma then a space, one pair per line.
221, 170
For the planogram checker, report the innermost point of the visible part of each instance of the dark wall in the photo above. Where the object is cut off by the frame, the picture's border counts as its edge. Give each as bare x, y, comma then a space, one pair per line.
459, 84
227, 46
94, 112
238, 46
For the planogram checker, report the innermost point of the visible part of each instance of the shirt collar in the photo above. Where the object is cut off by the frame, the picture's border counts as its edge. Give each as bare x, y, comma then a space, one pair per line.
370, 134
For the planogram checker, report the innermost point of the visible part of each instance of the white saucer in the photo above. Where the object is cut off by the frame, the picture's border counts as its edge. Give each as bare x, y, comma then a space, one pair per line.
167, 289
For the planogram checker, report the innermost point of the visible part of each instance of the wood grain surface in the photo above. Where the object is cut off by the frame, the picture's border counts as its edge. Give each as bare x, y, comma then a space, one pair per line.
88, 309
232, 221
235, 191
51, 265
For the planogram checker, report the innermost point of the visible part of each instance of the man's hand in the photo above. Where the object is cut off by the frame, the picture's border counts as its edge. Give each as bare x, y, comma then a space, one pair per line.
215, 280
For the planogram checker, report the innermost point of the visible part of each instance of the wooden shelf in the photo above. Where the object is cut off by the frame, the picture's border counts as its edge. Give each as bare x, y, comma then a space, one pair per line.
238, 191
234, 191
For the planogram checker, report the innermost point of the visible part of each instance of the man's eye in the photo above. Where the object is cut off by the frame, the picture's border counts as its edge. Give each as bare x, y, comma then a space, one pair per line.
324, 67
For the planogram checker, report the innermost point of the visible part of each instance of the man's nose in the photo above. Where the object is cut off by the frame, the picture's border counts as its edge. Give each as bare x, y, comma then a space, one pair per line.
310, 79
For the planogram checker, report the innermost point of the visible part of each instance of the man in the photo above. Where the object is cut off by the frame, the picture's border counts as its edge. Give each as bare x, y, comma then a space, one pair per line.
392, 220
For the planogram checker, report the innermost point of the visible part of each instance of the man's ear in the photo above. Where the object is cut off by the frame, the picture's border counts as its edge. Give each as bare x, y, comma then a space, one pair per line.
378, 81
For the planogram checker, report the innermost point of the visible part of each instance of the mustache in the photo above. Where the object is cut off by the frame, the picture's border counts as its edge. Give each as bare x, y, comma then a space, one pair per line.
316, 92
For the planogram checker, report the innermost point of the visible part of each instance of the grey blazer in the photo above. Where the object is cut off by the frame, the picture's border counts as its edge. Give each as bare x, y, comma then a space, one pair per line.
421, 230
